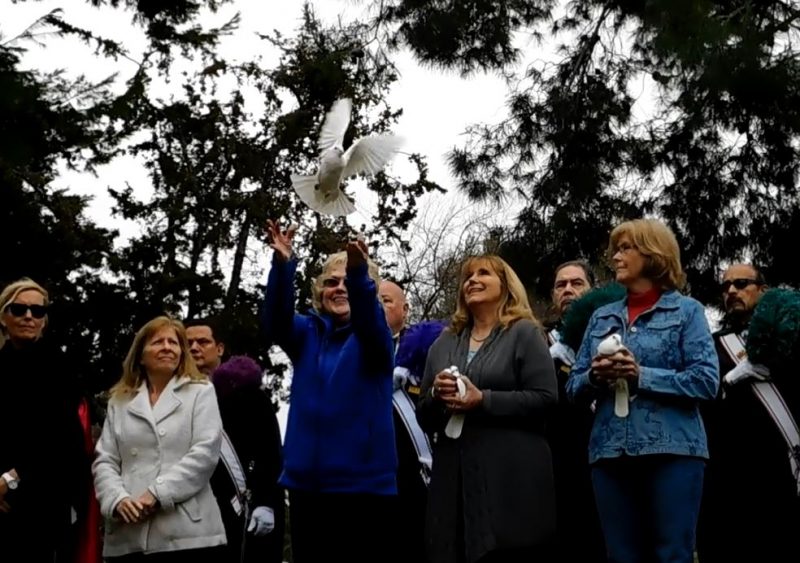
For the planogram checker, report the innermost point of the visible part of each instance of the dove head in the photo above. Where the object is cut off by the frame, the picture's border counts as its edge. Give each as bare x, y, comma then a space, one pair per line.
610, 345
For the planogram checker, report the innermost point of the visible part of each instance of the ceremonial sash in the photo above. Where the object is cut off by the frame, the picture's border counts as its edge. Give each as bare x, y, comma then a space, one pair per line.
405, 408
559, 350
770, 397
227, 454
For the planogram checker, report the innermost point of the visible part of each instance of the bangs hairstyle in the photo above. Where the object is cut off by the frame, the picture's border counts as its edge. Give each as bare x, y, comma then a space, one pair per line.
657, 243
332, 262
12, 291
132, 372
513, 304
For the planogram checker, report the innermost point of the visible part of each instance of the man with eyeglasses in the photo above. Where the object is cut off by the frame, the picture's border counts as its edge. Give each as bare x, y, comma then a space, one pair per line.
245, 480
745, 503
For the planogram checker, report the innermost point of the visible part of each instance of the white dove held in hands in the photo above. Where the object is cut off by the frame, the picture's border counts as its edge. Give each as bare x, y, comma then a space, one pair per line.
608, 347
321, 191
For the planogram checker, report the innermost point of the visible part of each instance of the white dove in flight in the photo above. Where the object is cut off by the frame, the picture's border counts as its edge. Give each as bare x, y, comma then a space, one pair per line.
321, 191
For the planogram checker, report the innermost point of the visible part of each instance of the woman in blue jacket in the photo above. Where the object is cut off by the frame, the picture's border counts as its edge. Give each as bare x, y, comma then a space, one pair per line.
647, 466
340, 463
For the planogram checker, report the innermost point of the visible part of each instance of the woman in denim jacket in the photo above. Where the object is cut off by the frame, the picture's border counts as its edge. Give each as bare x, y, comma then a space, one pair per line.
647, 466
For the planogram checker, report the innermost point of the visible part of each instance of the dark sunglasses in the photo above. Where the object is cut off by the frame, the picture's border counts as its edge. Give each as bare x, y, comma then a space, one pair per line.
19, 310
330, 283
738, 283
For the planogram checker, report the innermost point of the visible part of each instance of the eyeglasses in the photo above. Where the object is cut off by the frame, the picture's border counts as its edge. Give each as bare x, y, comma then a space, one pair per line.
738, 283
19, 310
624, 248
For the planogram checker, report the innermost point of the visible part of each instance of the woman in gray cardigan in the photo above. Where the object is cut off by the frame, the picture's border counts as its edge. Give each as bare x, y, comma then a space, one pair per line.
159, 447
491, 492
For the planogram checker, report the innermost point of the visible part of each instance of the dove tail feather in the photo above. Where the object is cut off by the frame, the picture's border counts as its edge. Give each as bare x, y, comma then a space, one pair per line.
306, 188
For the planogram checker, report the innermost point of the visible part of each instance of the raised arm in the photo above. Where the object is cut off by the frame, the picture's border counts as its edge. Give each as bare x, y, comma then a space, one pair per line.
277, 313
367, 316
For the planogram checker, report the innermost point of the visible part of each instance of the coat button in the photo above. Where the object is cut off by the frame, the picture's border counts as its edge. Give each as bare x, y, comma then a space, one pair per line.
633, 329
159, 480
162, 432
134, 451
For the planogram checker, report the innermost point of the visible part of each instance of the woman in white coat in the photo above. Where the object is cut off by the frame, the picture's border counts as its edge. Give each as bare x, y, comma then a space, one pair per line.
159, 447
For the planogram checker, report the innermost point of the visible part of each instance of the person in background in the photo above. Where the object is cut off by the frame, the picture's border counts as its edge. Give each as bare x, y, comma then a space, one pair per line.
37, 501
568, 433
159, 446
414, 457
251, 424
245, 481
647, 463
751, 509
491, 496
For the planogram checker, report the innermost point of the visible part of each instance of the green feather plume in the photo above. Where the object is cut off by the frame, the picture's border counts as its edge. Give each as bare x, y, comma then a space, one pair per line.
773, 338
577, 318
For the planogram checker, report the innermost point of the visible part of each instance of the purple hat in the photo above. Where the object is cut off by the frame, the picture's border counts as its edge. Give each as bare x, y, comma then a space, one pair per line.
236, 373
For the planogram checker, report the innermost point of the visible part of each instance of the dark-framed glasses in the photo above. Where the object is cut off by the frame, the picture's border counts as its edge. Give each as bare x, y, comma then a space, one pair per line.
19, 310
738, 283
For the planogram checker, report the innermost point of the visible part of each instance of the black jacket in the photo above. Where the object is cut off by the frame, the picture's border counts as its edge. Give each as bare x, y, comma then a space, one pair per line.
249, 419
750, 509
43, 441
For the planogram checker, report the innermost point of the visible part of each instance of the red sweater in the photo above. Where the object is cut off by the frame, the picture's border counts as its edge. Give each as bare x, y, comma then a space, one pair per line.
638, 303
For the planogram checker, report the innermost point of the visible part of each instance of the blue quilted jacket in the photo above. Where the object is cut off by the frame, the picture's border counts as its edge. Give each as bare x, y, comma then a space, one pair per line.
678, 369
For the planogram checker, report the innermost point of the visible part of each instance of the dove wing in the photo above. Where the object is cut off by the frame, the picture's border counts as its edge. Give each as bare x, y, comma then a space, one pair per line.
370, 154
335, 126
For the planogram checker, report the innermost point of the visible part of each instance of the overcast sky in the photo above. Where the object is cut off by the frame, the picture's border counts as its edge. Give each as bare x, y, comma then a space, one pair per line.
437, 106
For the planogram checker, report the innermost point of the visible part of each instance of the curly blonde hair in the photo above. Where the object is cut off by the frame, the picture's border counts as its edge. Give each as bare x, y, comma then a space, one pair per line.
132, 372
513, 304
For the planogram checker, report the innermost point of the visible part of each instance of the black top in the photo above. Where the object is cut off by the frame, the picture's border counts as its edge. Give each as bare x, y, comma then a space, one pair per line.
42, 439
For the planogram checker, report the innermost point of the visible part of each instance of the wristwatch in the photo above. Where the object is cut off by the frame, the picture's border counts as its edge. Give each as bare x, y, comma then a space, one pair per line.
11, 482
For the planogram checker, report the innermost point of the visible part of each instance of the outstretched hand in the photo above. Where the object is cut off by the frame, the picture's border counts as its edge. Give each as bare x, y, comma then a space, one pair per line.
281, 240
357, 252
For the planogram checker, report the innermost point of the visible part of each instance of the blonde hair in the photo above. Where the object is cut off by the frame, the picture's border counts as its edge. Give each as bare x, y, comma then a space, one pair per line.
132, 372
12, 291
331, 262
657, 243
513, 304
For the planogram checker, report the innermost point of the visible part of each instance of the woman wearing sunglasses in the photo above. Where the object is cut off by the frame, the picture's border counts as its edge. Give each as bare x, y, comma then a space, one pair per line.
339, 456
44, 473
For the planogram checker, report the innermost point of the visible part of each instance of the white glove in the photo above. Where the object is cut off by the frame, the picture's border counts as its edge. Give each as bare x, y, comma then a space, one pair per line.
744, 371
400, 378
560, 351
262, 521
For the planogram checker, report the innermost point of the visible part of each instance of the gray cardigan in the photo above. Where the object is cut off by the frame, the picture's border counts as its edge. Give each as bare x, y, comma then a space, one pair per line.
502, 457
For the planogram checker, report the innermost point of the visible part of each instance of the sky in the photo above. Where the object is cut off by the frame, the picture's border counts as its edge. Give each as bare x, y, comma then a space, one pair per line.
437, 106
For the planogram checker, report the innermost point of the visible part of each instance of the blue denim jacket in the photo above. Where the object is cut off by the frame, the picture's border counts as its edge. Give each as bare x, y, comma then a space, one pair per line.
678, 365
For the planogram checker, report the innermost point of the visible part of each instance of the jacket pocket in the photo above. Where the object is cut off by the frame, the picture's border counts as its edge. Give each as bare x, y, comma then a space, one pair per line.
192, 509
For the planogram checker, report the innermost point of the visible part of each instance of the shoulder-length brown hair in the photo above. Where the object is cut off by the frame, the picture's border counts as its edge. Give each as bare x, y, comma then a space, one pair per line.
132, 372
657, 243
513, 304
